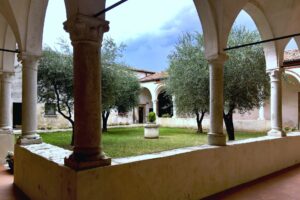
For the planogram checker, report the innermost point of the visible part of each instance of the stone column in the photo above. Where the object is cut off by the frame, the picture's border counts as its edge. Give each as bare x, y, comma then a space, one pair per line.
155, 107
174, 107
86, 34
276, 104
261, 112
6, 103
7, 139
216, 68
29, 100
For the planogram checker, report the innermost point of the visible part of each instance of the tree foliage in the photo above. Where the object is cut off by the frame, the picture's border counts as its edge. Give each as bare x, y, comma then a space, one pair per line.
120, 87
188, 77
246, 84
55, 80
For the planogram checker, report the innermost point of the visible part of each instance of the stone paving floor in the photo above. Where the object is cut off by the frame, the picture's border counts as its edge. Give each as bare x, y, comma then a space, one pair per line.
283, 185
7, 189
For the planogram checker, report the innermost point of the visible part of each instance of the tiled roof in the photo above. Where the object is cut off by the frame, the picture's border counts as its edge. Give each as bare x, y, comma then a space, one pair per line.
141, 70
155, 77
291, 55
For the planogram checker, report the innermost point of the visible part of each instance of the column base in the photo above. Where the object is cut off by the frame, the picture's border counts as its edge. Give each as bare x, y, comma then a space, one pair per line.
80, 164
276, 133
217, 139
7, 142
6, 131
29, 139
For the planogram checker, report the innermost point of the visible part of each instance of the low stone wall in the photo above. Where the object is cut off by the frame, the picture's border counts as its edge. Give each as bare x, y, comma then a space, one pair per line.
186, 173
7, 142
239, 125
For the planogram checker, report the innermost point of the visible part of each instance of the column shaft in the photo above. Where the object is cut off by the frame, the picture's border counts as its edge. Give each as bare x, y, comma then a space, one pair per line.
276, 104
86, 35
5, 102
154, 103
261, 112
29, 100
174, 107
216, 135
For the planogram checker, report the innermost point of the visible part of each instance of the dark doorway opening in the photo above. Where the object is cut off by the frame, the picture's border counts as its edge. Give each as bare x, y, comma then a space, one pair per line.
165, 105
17, 115
141, 115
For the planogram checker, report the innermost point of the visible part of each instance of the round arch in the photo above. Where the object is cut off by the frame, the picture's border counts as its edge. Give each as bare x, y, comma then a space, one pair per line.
217, 25
293, 74
164, 102
265, 31
291, 100
145, 105
158, 89
7, 41
7, 14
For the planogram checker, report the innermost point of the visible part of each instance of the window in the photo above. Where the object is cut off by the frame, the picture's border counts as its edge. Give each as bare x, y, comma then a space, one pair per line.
50, 109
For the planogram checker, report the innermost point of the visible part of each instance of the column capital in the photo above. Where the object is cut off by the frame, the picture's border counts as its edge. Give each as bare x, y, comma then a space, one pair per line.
275, 75
218, 58
83, 28
6, 76
28, 56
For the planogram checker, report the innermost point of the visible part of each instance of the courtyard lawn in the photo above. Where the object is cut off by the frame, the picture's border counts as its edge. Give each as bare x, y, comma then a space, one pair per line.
123, 142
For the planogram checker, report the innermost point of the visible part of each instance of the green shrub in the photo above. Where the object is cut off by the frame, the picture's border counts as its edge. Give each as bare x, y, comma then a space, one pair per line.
10, 160
151, 117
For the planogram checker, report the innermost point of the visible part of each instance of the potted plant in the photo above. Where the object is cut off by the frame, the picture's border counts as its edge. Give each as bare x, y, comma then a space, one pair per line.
151, 130
10, 160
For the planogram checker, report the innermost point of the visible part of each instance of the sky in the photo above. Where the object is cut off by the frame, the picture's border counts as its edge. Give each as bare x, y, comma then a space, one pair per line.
149, 31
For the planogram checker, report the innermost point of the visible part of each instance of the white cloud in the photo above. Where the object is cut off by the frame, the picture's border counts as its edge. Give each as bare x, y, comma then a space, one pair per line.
127, 21
137, 17
150, 28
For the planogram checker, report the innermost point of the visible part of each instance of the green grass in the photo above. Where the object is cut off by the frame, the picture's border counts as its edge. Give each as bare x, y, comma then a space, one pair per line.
123, 142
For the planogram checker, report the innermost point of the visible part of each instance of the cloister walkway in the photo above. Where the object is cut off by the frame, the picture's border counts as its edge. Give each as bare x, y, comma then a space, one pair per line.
284, 184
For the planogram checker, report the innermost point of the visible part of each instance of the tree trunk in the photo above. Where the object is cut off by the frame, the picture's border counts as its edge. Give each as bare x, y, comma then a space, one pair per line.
199, 121
72, 140
229, 124
105, 115
69, 116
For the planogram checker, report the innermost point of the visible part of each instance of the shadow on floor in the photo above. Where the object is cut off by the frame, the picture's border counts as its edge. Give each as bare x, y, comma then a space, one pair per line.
282, 185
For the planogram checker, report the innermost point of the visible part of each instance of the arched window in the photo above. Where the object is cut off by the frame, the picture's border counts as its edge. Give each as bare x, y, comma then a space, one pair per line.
165, 105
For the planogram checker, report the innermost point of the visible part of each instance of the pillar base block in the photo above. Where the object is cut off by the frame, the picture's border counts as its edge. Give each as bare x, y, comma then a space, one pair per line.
29, 139
276, 133
217, 139
7, 142
6, 131
78, 164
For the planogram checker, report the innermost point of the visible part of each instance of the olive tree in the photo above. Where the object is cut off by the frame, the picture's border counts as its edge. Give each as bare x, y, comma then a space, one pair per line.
120, 87
246, 84
188, 77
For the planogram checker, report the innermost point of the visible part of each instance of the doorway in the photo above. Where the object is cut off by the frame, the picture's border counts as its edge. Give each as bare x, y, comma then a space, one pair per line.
17, 115
141, 115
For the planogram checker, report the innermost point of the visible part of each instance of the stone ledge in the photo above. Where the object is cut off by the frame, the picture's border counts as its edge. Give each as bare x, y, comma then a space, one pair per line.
150, 176
49, 152
57, 154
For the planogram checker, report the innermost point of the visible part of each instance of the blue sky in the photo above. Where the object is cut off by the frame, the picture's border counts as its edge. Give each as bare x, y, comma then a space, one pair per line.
148, 31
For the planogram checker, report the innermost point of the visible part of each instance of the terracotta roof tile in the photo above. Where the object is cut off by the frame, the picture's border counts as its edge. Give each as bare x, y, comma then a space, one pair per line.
291, 55
154, 77
141, 70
